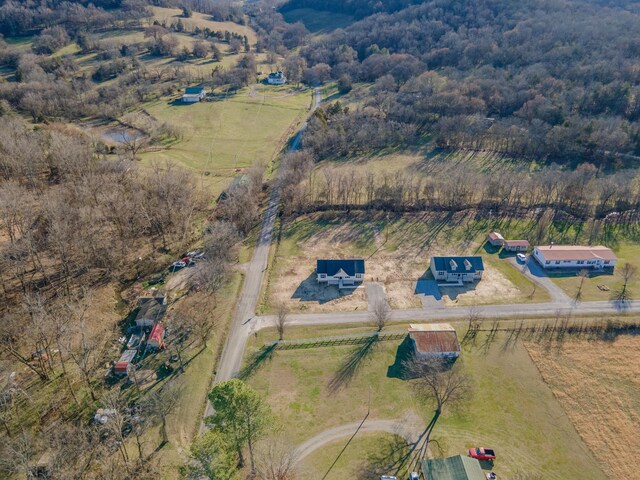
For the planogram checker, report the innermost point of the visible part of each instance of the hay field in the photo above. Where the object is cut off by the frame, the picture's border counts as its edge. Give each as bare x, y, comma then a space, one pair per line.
598, 385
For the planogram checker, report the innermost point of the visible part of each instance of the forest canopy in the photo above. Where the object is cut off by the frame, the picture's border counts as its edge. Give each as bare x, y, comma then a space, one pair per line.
554, 79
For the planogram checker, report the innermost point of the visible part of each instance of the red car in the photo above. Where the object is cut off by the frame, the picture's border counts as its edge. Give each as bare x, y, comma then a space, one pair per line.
482, 453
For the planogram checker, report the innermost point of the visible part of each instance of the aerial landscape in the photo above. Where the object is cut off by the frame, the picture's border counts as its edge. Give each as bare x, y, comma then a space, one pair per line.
320, 239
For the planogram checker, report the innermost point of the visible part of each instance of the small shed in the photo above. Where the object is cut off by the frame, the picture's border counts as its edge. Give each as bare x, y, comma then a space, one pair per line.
124, 363
156, 337
495, 239
452, 468
434, 340
516, 245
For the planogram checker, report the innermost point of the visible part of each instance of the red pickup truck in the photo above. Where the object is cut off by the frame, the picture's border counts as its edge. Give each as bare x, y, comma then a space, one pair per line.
482, 453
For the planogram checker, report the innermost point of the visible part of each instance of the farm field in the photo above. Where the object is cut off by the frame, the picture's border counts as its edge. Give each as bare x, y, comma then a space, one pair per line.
570, 282
597, 384
511, 409
222, 137
397, 251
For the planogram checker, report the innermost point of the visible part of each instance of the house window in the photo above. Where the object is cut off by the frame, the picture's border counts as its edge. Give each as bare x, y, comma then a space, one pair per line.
358, 275
547, 262
607, 262
557, 262
580, 262
323, 275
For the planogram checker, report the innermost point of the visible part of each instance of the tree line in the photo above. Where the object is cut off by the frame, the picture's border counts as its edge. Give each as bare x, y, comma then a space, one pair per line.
583, 193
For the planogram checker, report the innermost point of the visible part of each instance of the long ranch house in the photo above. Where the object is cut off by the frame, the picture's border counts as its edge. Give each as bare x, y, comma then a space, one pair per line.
575, 256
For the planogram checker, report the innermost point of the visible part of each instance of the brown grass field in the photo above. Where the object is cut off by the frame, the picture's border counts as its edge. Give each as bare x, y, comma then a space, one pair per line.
598, 385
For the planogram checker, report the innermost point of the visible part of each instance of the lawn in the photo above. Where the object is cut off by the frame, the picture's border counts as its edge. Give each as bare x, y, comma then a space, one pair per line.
397, 250
509, 408
363, 455
570, 283
318, 20
223, 137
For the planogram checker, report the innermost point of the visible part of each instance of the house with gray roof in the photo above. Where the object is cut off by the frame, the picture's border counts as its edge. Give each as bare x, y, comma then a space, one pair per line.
193, 94
347, 273
457, 269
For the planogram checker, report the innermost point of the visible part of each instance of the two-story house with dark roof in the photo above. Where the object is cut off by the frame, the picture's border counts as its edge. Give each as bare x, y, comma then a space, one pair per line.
343, 273
457, 269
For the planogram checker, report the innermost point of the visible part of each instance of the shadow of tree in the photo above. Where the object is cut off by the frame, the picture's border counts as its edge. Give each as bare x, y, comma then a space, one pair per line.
352, 363
257, 360
389, 458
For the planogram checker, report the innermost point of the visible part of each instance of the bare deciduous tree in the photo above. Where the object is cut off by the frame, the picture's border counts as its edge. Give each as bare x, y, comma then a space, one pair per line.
380, 314
628, 272
446, 384
583, 274
282, 312
275, 459
163, 403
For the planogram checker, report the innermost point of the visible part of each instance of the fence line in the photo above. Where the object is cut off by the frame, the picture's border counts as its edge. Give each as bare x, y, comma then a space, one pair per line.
353, 339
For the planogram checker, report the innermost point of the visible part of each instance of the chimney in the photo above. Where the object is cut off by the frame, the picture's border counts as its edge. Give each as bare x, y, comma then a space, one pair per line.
453, 264
467, 264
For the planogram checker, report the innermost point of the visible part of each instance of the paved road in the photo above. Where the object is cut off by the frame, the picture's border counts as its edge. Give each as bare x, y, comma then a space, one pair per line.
452, 313
242, 326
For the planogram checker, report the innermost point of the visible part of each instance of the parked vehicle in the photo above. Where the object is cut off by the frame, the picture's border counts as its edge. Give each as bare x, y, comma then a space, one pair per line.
178, 264
388, 477
482, 453
414, 476
521, 257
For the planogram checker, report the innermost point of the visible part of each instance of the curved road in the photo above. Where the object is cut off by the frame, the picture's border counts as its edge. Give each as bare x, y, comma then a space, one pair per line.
396, 427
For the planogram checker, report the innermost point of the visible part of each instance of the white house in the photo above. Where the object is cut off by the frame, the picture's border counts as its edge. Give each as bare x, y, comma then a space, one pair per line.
434, 340
193, 94
343, 273
575, 256
276, 78
457, 269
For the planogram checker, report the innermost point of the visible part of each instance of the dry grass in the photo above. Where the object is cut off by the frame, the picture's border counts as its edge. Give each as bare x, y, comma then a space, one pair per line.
397, 253
171, 15
598, 385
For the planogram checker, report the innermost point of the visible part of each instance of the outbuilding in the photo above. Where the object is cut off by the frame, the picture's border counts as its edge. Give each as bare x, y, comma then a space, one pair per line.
434, 340
495, 239
156, 337
452, 468
516, 245
125, 362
